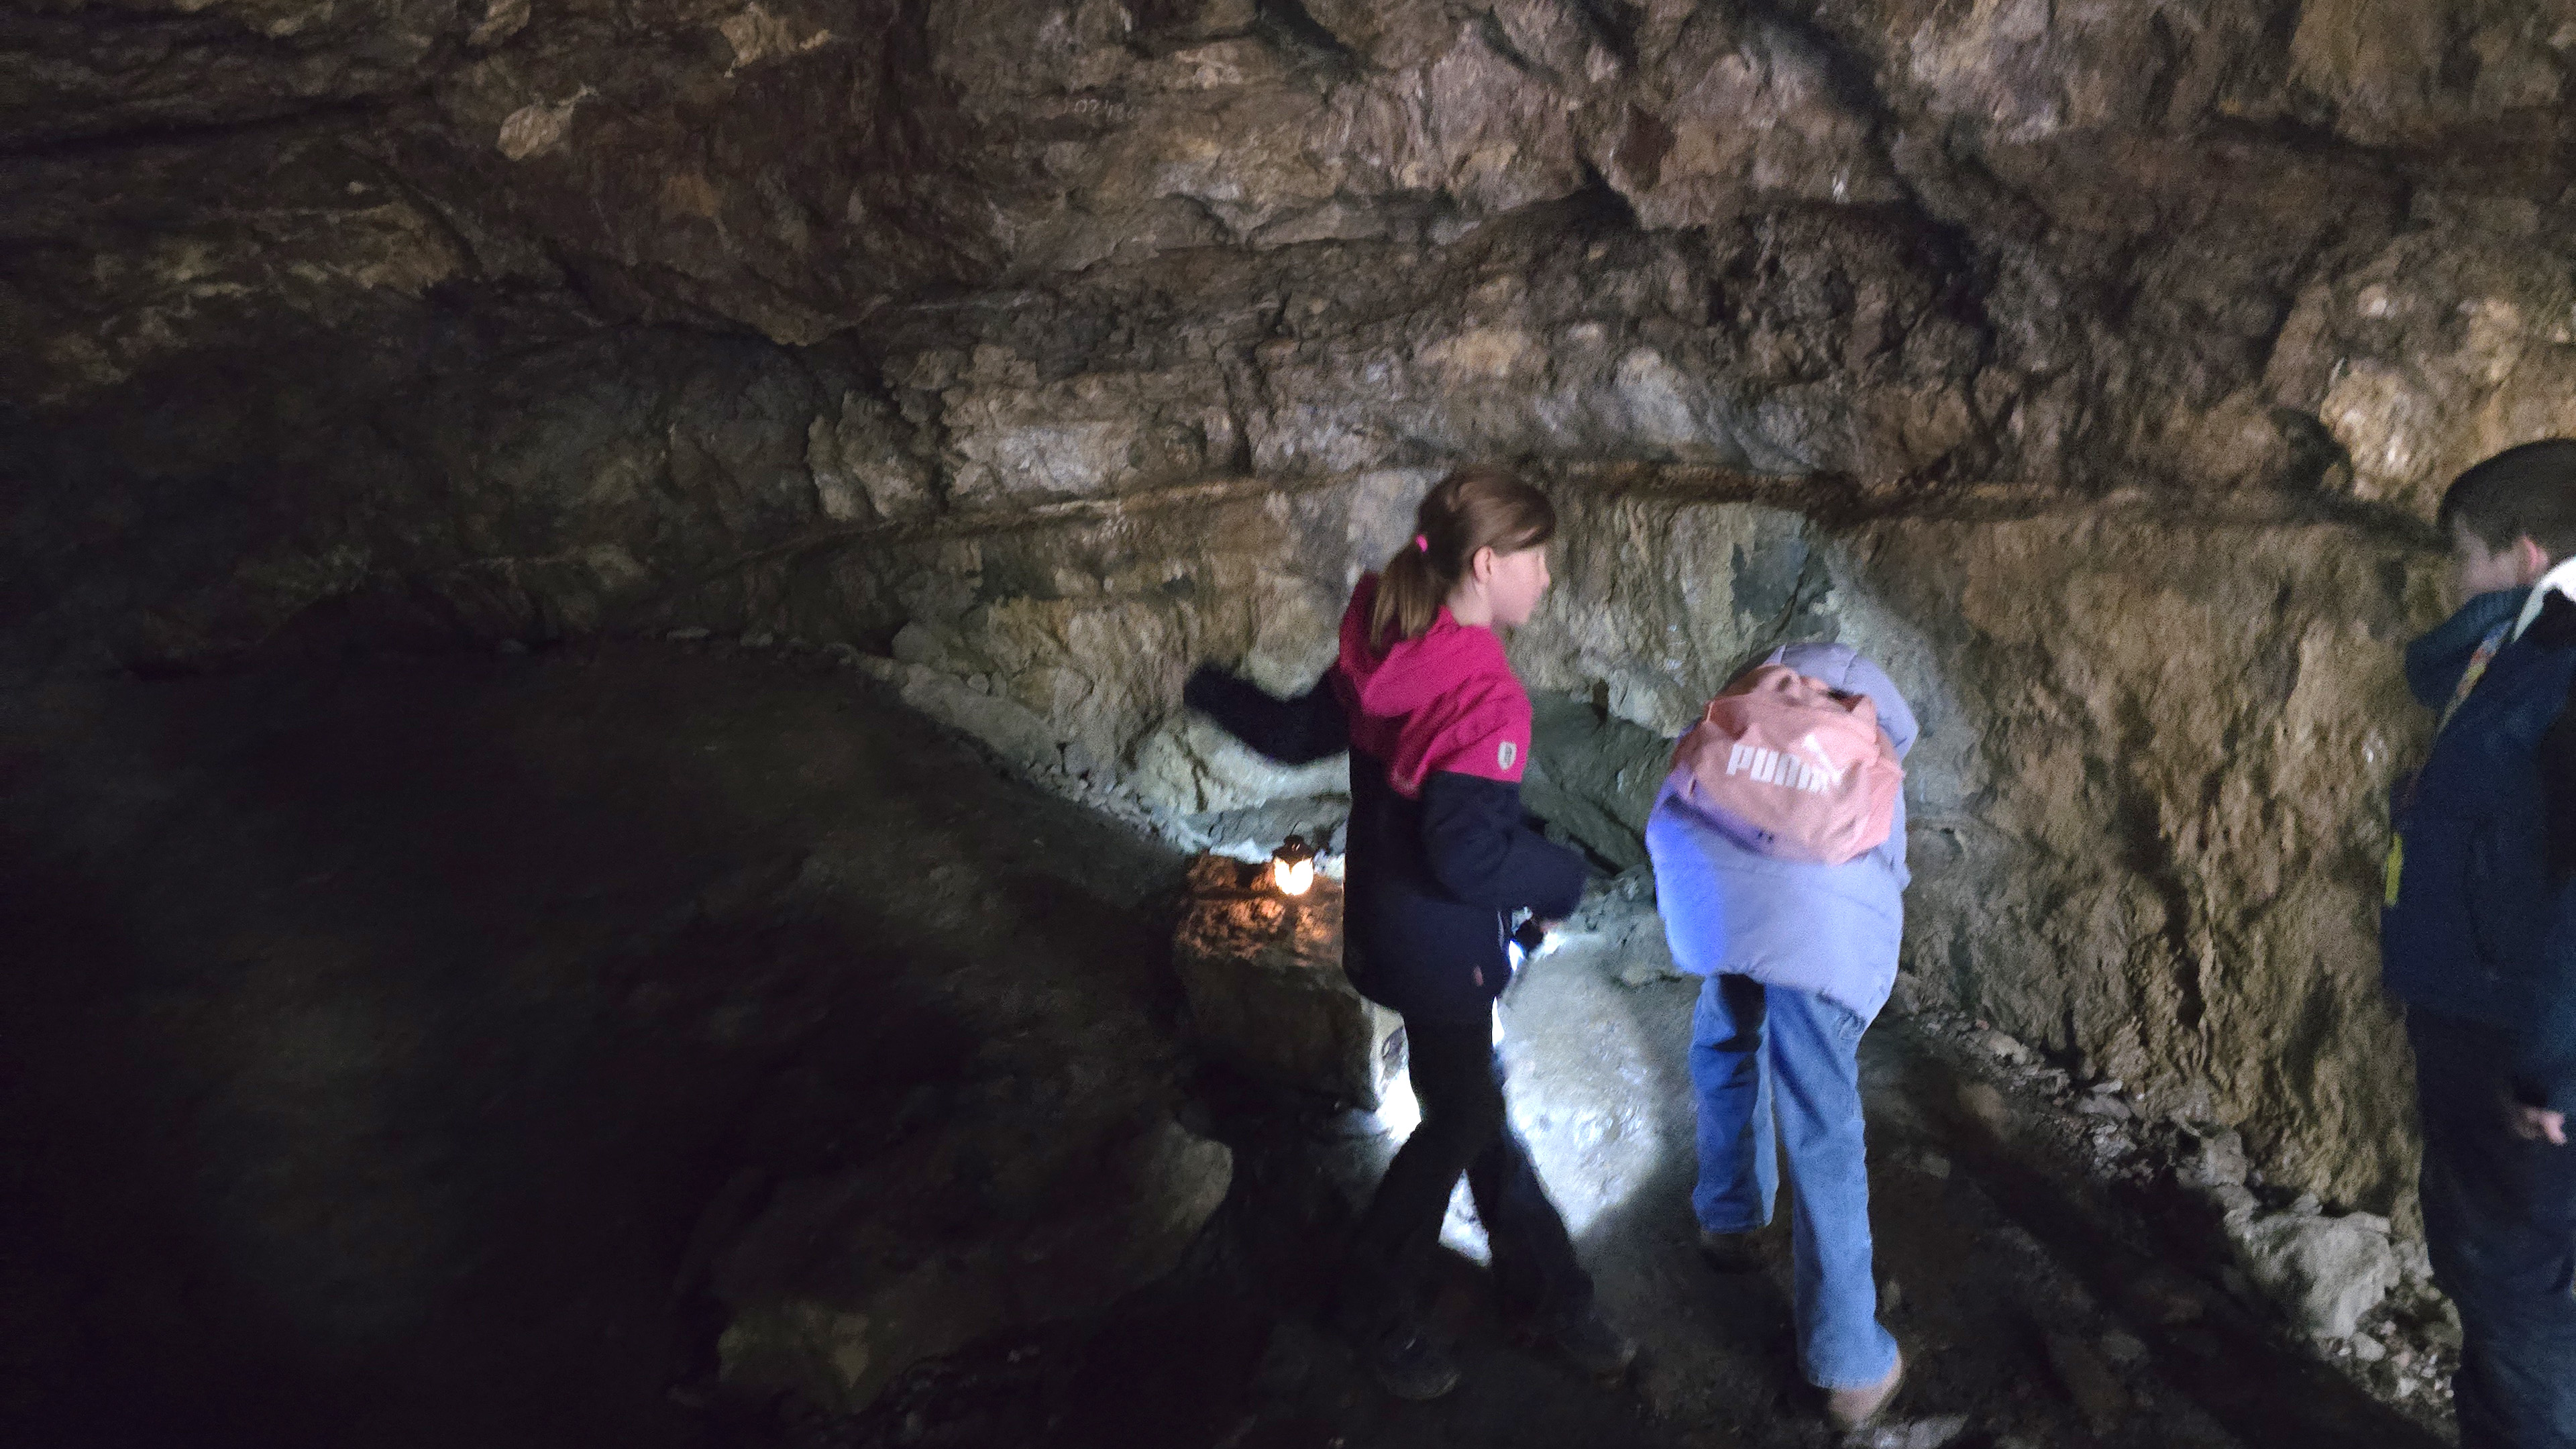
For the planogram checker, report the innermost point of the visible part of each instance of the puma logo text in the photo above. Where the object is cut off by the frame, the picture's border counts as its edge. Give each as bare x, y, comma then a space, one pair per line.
1775, 768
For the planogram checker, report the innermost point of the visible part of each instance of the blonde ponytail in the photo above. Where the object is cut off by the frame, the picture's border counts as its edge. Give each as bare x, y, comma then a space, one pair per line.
1473, 508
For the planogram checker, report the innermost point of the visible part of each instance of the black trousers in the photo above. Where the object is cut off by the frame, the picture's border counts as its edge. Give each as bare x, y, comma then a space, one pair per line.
1457, 1078
2500, 1219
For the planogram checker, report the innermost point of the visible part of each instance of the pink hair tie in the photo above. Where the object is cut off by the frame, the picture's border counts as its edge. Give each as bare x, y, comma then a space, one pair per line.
1421, 543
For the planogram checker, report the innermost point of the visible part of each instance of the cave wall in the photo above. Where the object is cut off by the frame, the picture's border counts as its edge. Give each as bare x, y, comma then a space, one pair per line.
2145, 811
2098, 363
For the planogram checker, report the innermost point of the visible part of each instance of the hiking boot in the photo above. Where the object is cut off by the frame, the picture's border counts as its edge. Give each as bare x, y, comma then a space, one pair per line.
1849, 1409
1406, 1363
1594, 1346
1730, 1252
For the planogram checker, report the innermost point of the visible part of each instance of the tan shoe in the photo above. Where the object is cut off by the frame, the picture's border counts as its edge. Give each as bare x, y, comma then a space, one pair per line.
1849, 1409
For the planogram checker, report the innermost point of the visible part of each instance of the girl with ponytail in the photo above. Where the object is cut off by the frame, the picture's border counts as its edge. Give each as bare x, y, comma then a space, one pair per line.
1438, 730
1471, 510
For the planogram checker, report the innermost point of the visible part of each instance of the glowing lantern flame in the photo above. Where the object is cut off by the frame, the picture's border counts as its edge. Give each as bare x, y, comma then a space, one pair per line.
1292, 867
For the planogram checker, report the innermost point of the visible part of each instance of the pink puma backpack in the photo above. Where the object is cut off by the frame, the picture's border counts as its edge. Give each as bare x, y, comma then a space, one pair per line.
1794, 767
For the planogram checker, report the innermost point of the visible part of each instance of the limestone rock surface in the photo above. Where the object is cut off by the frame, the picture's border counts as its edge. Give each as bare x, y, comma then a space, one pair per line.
2325, 1272
2115, 860
2096, 364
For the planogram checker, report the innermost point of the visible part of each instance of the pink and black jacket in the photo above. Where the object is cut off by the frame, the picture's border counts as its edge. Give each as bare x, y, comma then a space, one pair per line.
1438, 730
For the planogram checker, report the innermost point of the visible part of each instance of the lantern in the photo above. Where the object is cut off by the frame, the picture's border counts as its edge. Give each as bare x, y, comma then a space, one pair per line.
1292, 867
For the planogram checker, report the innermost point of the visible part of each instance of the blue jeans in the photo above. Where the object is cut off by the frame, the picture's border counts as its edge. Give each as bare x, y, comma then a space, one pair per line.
2500, 1219
1762, 1056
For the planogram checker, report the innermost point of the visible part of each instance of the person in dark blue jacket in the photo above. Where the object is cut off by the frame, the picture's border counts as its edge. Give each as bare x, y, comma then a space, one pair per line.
2479, 941
1438, 730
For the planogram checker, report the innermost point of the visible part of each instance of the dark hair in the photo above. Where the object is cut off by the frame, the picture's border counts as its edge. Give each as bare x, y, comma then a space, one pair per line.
1473, 508
2525, 491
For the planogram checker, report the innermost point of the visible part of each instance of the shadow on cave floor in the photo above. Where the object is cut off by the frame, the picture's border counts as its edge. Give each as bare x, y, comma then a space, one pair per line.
377, 1037
380, 1036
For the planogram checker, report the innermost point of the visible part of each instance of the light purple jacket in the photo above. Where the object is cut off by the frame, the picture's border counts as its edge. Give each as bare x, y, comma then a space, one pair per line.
1828, 929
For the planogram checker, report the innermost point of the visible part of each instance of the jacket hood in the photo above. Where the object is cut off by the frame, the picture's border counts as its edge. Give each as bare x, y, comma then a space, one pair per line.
1413, 673
2436, 660
1850, 671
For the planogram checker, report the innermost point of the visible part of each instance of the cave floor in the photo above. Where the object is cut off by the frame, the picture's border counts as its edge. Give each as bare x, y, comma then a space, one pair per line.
384, 1037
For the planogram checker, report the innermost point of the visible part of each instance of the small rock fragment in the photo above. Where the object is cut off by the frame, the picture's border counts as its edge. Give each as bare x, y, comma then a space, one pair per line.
2415, 1260
1636, 883
1909, 997
2212, 1157
501, 20
2324, 1272
538, 127
689, 635
2444, 1329
1918, 1434
1997, 1044
2368, 1349
1987, 1105
2235, 1201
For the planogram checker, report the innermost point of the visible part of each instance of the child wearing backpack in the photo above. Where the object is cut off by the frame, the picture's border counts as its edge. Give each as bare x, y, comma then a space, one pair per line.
2479, 942
1438, 730
1797, 936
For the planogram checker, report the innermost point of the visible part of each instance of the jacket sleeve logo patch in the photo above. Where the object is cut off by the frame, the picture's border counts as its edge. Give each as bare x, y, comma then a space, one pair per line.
1504, 756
